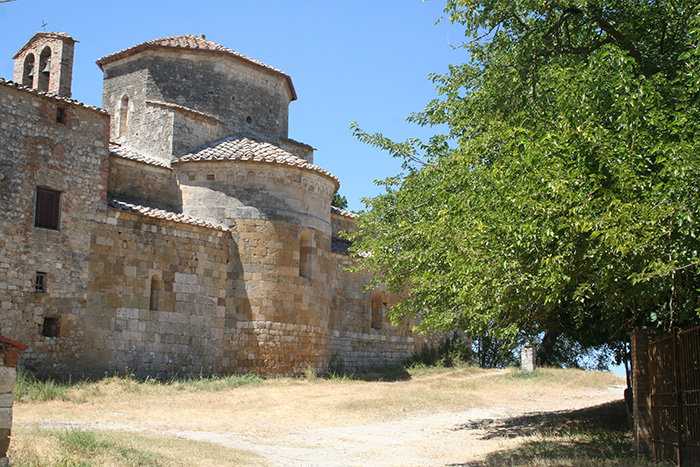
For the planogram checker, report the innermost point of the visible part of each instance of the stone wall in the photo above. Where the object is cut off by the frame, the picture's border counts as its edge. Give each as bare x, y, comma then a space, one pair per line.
301, 150
221, 96
146, 130
360, 340
340, 223
70, 158
158, 297
143, 183
282, 311
223, 192
9, 350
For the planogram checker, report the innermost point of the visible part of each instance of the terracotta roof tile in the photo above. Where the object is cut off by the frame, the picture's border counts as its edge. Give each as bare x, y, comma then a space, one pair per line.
192, 42
124, 153
51, 95
163, 214
343, 212
246, 149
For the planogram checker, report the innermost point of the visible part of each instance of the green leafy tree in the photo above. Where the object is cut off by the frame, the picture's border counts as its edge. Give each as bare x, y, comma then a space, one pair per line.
339, 201
563, 199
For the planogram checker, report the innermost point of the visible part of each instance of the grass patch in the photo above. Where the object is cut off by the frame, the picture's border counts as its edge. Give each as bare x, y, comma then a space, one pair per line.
28, 388
75, 448
215, 383
561, 377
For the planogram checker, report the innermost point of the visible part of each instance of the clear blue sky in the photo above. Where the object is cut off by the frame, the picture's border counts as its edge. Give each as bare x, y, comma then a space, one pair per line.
355, 60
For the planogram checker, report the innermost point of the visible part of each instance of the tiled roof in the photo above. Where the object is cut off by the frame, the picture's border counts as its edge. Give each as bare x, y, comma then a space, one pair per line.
163, 214
124, 153
343, 212
341, 246
246, 149
50, 95
192, 42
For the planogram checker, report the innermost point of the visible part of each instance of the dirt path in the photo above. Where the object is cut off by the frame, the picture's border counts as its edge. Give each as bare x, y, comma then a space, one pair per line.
289, 436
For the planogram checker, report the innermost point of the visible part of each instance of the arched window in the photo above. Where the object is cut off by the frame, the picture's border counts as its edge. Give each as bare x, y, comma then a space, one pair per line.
44, 69
305, 254
28, 73
156, 287
123, 116
378, 306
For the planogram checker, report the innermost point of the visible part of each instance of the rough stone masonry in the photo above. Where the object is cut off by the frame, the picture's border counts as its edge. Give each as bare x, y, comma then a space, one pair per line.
178, 230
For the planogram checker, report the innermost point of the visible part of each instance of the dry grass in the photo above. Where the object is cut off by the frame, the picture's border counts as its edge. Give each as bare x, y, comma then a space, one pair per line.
36, 447
268, 412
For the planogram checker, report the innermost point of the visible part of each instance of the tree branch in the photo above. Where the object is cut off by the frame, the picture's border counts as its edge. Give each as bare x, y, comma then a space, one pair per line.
621, 40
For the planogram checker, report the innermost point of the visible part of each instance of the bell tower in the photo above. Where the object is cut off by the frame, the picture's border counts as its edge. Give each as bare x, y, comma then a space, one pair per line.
45, 63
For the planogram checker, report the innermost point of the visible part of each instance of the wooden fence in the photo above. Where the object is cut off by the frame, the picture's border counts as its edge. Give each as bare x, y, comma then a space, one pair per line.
674, 380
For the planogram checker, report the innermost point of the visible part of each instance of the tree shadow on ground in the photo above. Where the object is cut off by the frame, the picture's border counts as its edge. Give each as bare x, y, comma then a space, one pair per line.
594, 436
388, 373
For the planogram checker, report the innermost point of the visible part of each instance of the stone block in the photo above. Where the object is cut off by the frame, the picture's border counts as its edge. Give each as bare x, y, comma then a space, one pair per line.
528, 358
6, 400
8, 376
5, 418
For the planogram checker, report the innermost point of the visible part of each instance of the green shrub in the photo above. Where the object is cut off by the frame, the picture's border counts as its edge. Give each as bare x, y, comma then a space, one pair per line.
28, 387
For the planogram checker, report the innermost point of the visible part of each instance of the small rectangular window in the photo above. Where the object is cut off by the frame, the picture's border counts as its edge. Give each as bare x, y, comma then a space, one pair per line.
48, 208
50, 326
40, 282
60, 115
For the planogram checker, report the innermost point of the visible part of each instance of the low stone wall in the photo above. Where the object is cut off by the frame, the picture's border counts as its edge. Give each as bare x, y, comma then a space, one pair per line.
9, 350
356, 351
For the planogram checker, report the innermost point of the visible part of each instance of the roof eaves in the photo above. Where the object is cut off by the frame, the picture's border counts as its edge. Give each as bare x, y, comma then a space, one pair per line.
156, 213
344, 212
122, 153
50, 95
220, 50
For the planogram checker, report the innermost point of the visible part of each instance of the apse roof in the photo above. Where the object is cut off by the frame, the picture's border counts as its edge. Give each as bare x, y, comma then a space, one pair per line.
243, 148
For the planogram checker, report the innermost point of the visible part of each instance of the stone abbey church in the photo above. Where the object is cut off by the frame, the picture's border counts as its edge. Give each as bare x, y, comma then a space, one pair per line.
177, 230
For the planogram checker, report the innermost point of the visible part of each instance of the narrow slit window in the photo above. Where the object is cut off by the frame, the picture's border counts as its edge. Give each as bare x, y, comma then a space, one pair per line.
123, 116
155, 290
40, 282
378, 306
60, 115
305, 256
48, 208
